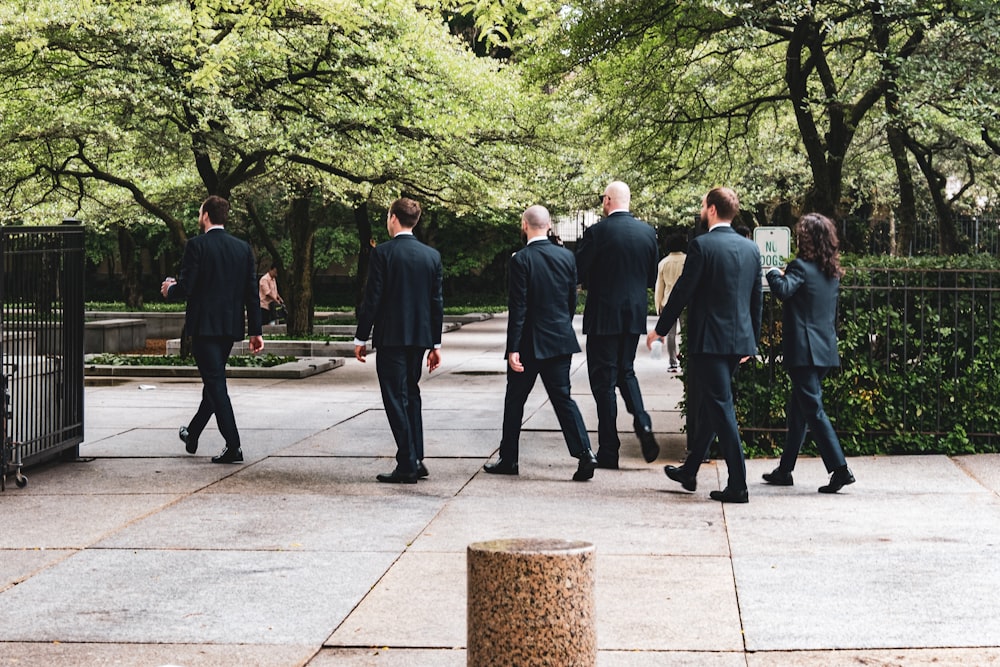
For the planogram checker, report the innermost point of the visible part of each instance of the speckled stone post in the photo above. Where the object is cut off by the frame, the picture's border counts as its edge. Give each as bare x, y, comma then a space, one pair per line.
531, 603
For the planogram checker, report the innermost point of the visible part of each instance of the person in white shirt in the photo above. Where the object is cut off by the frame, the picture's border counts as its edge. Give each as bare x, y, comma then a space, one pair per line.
668, 271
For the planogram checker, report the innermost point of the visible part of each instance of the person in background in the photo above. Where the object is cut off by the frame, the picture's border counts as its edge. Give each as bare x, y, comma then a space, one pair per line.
616, 263
809, 288
667, 274
403, 304
217, 280
269, 297
541, 342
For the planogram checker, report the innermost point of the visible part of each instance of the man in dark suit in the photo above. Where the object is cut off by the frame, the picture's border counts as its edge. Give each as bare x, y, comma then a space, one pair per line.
721, 288
541, 341
616, 263
217, 279
403, 303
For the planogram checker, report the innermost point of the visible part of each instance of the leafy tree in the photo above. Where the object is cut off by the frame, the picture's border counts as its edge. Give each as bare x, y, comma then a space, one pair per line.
332, 102
758, 94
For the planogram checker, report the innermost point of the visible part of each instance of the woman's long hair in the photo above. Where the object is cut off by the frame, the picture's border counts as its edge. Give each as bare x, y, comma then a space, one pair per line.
816, 236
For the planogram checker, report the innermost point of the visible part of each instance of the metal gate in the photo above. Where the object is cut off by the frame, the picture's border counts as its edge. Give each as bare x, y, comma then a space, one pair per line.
41, 324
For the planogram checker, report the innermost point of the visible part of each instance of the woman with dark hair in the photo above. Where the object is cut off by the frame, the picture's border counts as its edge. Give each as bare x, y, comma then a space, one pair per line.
809, 288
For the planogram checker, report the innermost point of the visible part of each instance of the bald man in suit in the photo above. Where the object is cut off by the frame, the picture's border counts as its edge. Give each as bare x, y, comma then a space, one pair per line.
616, 263
541, 342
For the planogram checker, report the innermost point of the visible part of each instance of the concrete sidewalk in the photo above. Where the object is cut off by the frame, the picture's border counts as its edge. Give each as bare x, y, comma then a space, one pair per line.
148, 556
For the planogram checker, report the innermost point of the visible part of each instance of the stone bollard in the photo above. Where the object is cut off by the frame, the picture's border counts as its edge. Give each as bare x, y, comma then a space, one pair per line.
531, 602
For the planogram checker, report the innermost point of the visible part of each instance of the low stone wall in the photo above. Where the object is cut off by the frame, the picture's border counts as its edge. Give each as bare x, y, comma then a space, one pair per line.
298, 348
293, 370
158, 325
115, 335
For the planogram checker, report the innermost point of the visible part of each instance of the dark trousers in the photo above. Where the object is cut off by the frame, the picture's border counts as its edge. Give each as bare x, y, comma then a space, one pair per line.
805, 408
211, 354
610, 365
555, 379
399, 370
712, 414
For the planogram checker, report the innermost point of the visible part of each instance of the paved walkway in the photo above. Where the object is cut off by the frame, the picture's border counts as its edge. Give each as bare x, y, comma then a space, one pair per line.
148, 556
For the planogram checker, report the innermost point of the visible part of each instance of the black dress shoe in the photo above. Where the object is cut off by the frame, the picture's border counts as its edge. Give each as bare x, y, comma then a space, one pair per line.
585, 469
398, 476
229, 455
689, 482
840, 478
190, 444
650, 450
727, 495
778, 477
422, 470
607, 462
501, 467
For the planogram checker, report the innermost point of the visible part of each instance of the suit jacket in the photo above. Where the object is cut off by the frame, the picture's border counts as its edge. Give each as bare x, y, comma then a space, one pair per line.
403, 299
616, 263
217, 279
542, 301
809, 320
720, 286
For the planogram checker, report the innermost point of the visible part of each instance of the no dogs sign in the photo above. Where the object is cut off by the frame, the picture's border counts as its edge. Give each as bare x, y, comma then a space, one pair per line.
775, 244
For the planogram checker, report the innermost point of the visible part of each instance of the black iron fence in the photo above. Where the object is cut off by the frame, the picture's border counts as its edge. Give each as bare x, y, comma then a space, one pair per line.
41, 324
976, 234
920, 354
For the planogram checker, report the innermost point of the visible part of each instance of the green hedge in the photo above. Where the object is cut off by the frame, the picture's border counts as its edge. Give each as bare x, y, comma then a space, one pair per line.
920, 362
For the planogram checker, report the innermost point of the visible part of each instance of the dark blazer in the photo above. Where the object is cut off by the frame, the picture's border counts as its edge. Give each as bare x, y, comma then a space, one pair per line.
616, 263
809, 321
542, 301
403, 299
720, 285
217, 279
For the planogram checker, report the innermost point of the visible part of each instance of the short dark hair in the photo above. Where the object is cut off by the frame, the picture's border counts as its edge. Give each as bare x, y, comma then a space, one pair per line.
217, 209
725, 201
406, 211
676, 243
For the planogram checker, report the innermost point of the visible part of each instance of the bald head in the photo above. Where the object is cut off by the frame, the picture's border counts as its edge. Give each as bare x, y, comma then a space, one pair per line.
617, 197
536, 220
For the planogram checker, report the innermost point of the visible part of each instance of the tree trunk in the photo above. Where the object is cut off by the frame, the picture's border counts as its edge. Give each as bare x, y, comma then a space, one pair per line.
131, 287
266, 241
904, 224
364, 225
936, 183
906, 221
302, 234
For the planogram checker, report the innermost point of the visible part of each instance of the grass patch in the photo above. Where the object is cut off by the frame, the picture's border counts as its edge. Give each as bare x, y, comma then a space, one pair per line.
238, 361
148, 307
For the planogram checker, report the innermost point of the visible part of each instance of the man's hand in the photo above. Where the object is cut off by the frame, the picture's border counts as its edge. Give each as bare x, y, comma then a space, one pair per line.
514, 361
256, 344
433, 360
360, 351
165, 286
650, 337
